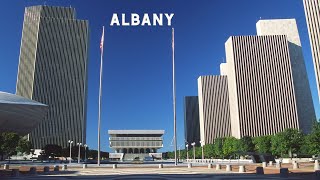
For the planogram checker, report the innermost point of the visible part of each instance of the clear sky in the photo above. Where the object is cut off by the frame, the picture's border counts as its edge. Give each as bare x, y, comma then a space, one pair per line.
137, 81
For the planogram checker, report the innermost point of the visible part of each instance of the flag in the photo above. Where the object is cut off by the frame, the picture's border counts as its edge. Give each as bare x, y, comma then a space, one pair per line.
102, 39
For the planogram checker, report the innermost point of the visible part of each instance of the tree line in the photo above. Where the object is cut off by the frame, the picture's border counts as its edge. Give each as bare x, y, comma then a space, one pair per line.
13, 144
53, 150
288, 143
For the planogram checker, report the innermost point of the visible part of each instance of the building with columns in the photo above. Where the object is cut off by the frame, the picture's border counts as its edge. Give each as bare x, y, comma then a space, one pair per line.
130, 144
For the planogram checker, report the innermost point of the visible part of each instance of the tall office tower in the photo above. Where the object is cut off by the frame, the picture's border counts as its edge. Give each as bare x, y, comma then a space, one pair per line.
304, 103
261, 90
213, 108
53, 70
191, 120
312, 9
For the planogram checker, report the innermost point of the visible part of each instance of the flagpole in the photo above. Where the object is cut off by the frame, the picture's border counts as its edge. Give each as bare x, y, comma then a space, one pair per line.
100, 94
174, 102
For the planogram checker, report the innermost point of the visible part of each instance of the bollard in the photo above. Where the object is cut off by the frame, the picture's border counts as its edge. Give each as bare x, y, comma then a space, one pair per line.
264, 164
6, 166
284, 172
259, 171
295, 165
160, 166
209, 166
278, 165
218, 167
64, 167
33, 170
15, 172
189, 165
46, 169
316, 165
84, 166
270, 163
114, 166
242, 169
228, 168
55, 168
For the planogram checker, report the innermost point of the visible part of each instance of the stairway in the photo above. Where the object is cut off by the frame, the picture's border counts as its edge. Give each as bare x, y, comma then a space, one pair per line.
131, 157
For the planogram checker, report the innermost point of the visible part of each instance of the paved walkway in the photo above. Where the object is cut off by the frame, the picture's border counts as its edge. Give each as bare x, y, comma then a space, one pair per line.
150, 173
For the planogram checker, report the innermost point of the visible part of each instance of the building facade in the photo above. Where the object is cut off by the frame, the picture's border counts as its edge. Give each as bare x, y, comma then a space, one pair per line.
53, 70
213, 108
312, 9
304, 103
191, 120
261, 90
135, 144
135, 141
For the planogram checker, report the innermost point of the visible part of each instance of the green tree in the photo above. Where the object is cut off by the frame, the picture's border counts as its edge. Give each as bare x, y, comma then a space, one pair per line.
218, 147
24, 146
209, 151
262, 144
246, 144
230, 146
293, 140
9, 143
277, 146
313, 139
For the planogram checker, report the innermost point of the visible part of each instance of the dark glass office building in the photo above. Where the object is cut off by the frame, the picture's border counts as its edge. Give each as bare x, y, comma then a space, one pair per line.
53, 71
191, 120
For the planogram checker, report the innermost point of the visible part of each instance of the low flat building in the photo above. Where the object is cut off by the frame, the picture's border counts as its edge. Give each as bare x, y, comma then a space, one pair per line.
131, 144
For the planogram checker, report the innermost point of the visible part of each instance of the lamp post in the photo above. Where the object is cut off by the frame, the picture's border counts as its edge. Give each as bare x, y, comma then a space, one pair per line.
79, 144
179, 153
85, 151
70, 142
202, 153
194, 150
187, 145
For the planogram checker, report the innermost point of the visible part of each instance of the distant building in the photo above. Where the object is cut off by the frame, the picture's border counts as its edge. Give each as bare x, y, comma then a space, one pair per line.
191, 120
53, 70
312, 9
213, 108
19, 114
132, 144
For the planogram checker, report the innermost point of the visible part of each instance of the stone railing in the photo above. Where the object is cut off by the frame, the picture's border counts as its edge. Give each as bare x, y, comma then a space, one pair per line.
221, 161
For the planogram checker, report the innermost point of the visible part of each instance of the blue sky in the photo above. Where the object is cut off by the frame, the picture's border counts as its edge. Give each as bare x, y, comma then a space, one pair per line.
137, 82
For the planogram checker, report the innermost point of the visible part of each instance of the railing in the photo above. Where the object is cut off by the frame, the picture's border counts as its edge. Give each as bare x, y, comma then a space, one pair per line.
135, 138
136, 144
220, 161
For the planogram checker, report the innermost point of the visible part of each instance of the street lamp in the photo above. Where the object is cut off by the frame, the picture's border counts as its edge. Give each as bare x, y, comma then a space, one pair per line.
202, 153
187, 145
70, 142
85, 151
79, 144
194, 150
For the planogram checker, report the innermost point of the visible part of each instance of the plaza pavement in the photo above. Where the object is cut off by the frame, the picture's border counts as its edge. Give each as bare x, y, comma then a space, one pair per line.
152, 172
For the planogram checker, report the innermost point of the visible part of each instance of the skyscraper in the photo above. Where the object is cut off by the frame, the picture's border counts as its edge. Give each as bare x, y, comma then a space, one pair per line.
213, 108
191, 119
261, 91
53, 70
268, 86
312, 9
288, 27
